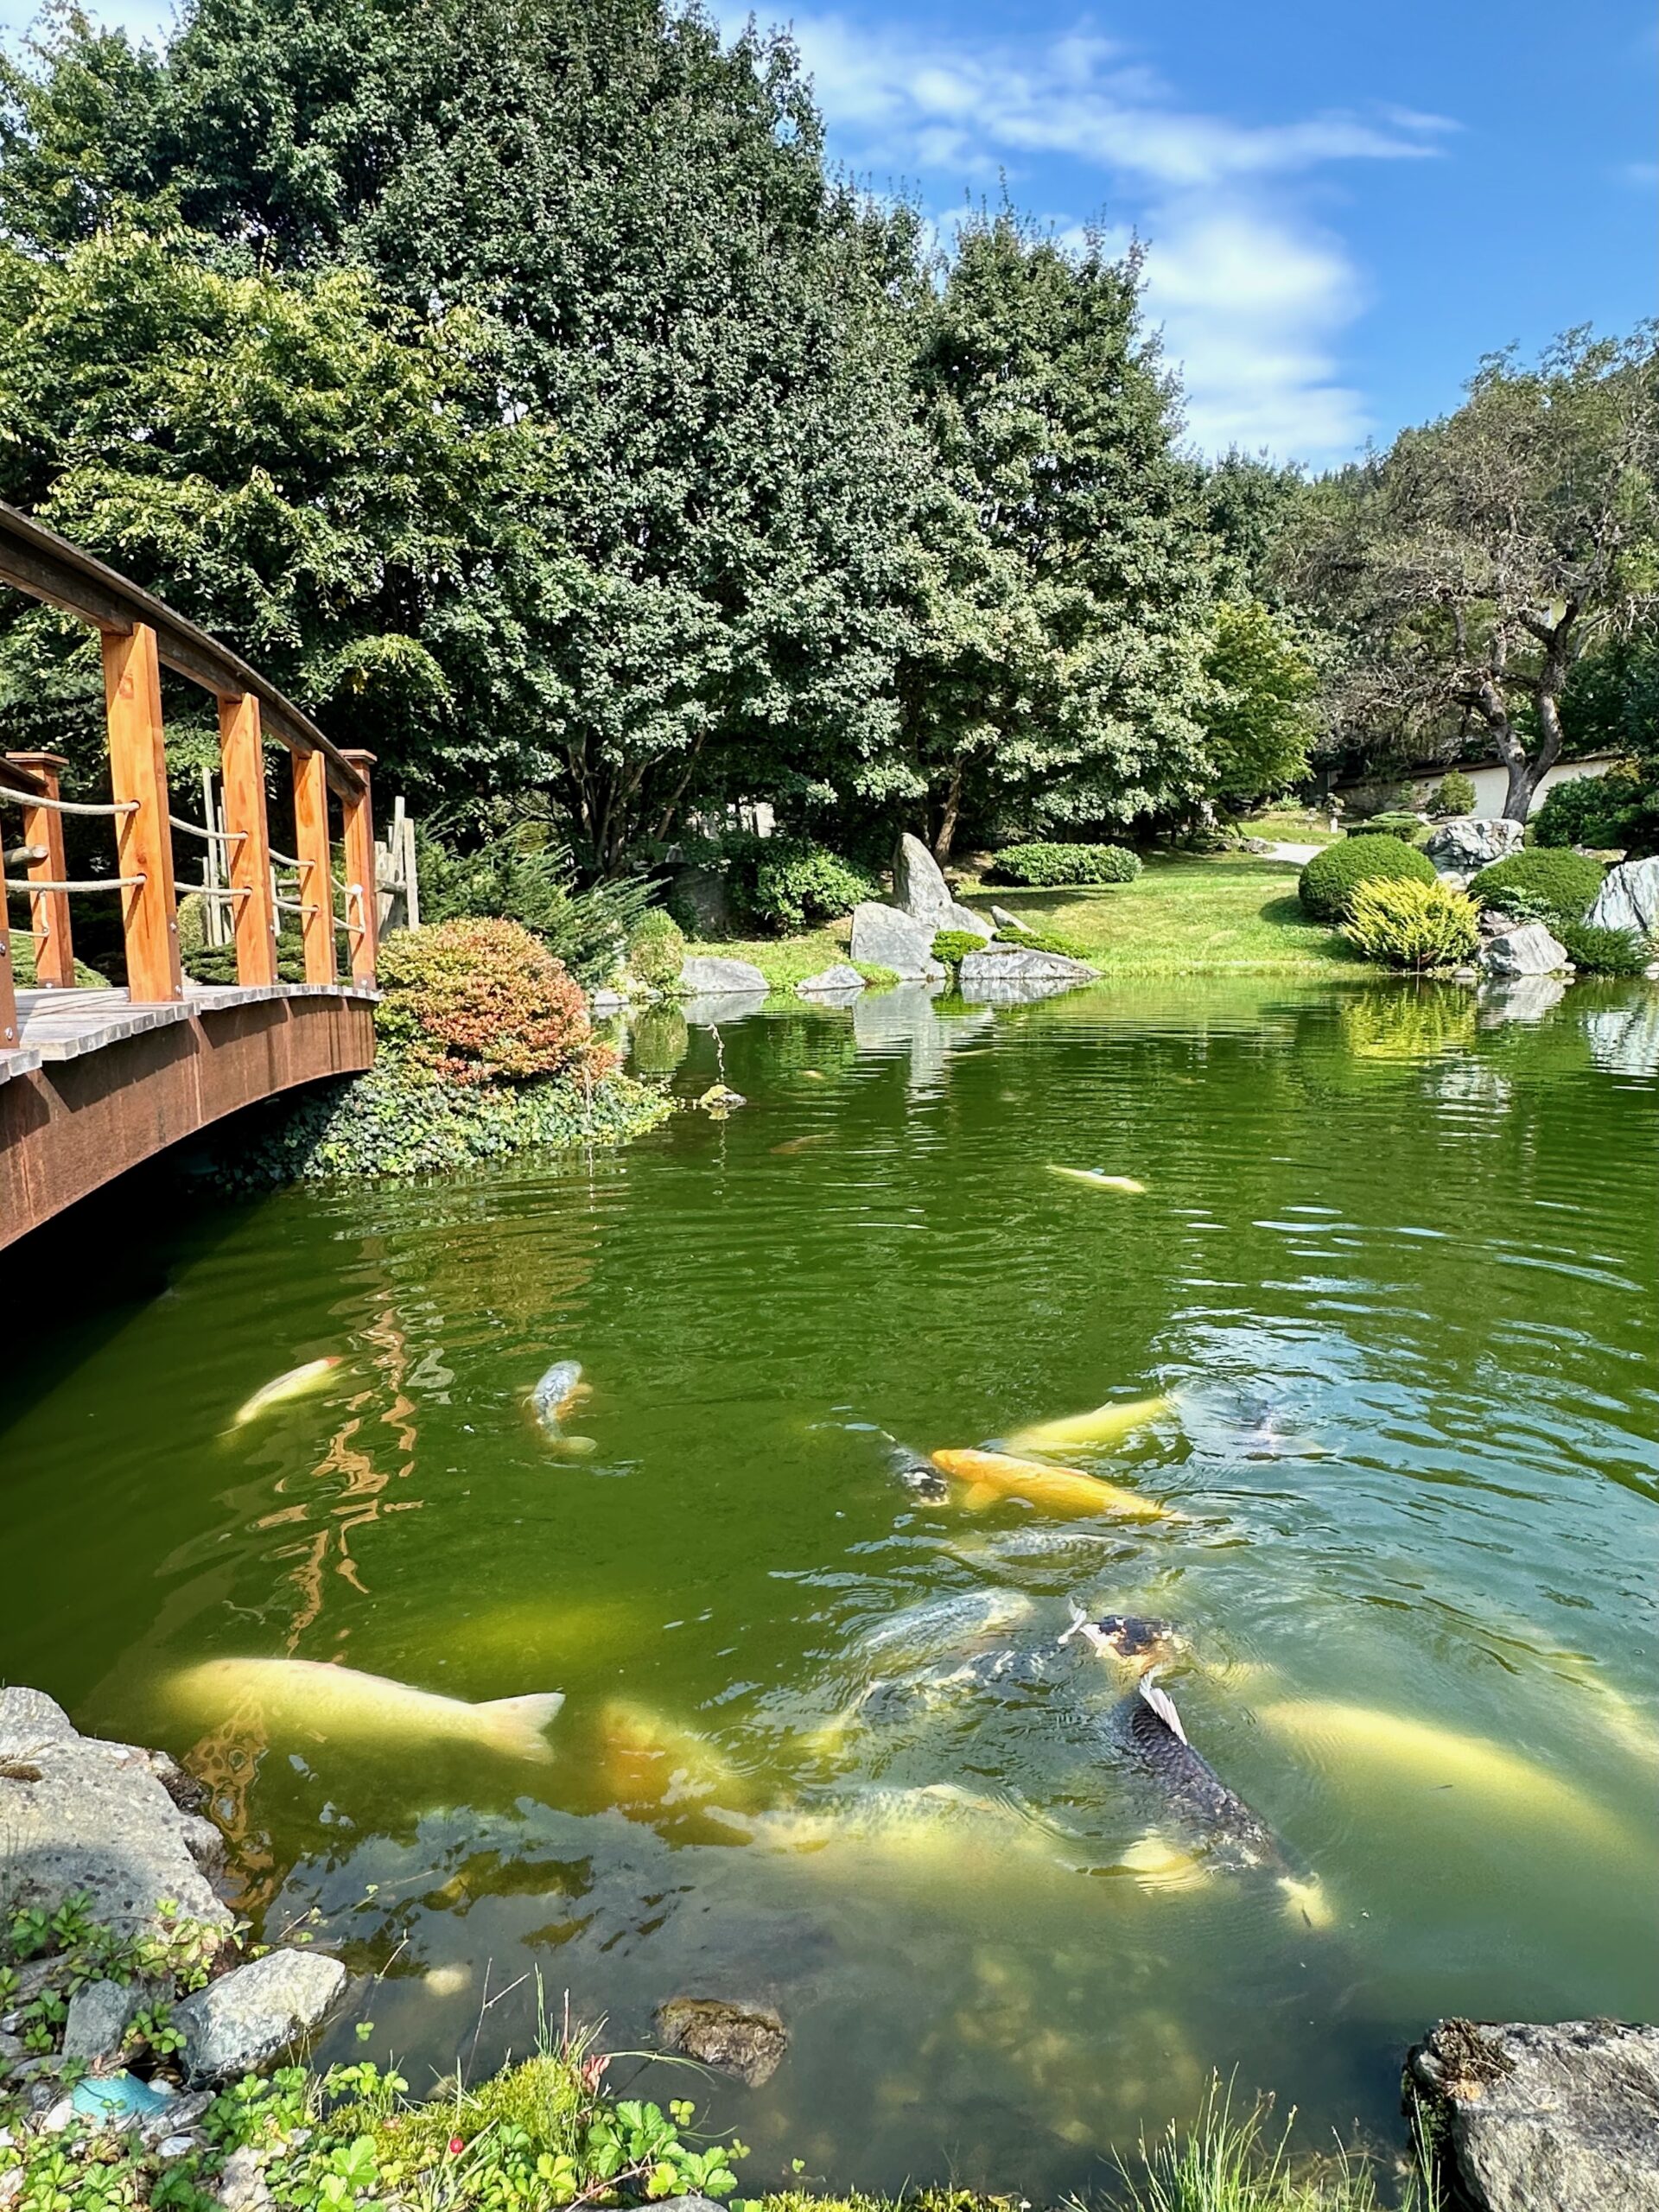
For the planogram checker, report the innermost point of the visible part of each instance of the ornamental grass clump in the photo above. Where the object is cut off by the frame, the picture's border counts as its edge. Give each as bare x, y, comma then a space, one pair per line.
479, 1000
1417, 926
1326, 886
1057, 865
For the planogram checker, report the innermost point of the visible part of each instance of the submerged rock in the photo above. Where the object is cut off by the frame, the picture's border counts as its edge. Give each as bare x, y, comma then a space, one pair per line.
253, 2014
77, 1813
1469, 842
1528, 950
706, 974
1531, 2119
1629, 900
883, 937
746, 2040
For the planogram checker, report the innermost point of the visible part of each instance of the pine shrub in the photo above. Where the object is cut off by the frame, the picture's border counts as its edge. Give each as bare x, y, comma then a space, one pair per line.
1565, 883
1405, 826
953, 946
1453, 795
1406, 924
1056, 865
1326, 886
1605, 952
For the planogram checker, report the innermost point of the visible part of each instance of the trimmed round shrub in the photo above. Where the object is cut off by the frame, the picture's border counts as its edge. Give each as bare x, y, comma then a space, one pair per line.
953, 946
476, 999
1052, 865
1565, 884
1387, 825
1605, 952
795, 882
657, 950
1405, 924
1326, 886
1589, 811
1454, 794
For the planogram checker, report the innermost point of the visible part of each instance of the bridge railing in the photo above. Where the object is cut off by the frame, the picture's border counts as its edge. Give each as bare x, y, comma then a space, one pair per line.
140, 636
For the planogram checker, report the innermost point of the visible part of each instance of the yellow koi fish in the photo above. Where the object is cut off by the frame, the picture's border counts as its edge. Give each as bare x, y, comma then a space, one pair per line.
1065, 1491
295, 1384
304, 1699
1082, 1432
1093, 1178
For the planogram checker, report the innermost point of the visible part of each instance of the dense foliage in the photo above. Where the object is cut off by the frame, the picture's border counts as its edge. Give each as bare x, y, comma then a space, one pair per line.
1453, 795
1618, 812
1406, 924
1604, 952
515, 870
474, 1001
1387, 824
1327, 884
1061, 864
1564, 885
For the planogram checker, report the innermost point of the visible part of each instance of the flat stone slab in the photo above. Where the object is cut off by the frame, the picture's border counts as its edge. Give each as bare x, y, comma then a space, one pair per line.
840, 977
254, 2013
1543, 2119
706, 974
77, 1813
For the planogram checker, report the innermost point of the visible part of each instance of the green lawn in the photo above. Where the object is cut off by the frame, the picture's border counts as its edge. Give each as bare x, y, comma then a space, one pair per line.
1189, 917
1230, 914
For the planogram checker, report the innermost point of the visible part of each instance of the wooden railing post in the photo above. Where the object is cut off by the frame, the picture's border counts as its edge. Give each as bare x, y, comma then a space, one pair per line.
54, 952
8, 984
132, 699
363, 933
248, 850
316, 888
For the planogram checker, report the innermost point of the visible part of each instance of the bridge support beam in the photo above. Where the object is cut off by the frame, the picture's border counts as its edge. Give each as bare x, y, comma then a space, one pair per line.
253, 915
363, 912
311, 849
132, 698
54, 950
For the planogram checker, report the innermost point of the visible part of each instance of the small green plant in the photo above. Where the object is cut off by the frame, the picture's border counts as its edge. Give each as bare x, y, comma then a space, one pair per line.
1327, 884
1241, 2162
1060, 864
1387, 825
657, 950
877, 977
953, 946
1567, 882
151, 2028
1605, 952
1409, 925
1454, 794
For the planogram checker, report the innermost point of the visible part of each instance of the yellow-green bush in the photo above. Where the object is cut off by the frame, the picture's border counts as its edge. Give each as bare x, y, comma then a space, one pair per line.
1405, 924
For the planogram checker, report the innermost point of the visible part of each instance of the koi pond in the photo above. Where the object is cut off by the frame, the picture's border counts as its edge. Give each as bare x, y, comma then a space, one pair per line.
1385, 1311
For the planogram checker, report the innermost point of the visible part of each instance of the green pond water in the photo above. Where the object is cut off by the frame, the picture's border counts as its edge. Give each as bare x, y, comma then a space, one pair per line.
1395, 1263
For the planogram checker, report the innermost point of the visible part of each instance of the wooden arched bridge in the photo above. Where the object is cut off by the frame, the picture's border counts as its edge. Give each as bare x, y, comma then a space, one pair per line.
92, 1080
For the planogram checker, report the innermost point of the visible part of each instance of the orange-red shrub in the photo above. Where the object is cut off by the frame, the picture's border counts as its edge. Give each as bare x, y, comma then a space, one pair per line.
479, 999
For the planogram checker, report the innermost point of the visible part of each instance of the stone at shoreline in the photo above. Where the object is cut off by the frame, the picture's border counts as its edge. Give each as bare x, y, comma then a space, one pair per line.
1528, 950
1629, 900
242, 2185
840, 977
883, 937
1533, 2118
1470, 841
253, 2014
705, 974
77, 1813
1013, 966
97, 2017
920, 891
746, 2040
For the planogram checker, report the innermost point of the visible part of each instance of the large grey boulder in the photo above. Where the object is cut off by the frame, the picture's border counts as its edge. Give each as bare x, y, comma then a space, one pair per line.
1470, 842
1528, 950
1629, 900
77, 1813
883, 937
1525, 2118
704, 975
1013, 966
920, 891
252, 2015
830, 982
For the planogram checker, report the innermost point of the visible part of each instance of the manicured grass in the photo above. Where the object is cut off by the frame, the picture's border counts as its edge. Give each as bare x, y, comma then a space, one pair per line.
1188, 917
1292, 825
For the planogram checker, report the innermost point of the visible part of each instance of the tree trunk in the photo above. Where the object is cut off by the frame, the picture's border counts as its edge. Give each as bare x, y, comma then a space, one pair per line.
947, 828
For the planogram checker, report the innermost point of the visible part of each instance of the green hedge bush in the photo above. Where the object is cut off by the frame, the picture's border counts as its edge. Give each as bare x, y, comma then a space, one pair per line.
1404, 826
1565, 883
1327, 884
1454, 794
1594, 811
657, 950
1604, 952
1054, 865
796, 883
953, 946
1406, 924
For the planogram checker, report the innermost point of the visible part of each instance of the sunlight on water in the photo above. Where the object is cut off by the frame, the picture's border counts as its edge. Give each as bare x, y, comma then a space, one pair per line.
1392, 1270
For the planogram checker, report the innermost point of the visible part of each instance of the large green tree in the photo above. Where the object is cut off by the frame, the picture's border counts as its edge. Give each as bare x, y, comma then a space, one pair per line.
1059, 674
1473, 565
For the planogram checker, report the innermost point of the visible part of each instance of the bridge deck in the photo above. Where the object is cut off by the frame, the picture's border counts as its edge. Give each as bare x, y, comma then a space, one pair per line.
62, 1024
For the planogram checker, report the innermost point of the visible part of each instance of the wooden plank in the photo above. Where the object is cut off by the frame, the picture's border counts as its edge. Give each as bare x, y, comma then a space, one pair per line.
54, 949
8, 981
363, 911
252, 916
132, 697
316, 891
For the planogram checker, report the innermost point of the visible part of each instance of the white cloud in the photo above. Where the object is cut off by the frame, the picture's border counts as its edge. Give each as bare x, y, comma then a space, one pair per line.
1253, 294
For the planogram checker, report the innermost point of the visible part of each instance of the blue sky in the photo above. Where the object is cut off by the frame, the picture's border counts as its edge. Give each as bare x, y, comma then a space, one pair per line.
1344, 206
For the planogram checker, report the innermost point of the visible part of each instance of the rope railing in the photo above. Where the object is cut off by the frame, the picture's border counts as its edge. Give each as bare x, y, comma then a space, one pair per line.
208, 837
30, 885
296, 906
65, 805
287, 861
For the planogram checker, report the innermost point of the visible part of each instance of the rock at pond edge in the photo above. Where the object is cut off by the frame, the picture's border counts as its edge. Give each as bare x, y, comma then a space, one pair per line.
747, 2040
1525, 2118
254, 2013
706, 974
840, 977
883, 937
1528, 950
1629, 900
